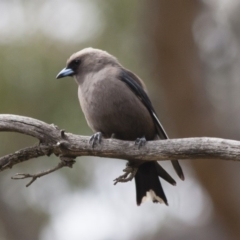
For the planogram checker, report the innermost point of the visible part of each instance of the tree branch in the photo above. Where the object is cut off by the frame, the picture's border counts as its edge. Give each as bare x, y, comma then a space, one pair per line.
34, 177
68, 146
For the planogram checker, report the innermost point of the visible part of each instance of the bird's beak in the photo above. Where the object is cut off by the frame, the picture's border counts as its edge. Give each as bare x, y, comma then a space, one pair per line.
65, 73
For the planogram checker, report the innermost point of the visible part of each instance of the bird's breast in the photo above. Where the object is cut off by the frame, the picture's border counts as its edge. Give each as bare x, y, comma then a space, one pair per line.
111, 107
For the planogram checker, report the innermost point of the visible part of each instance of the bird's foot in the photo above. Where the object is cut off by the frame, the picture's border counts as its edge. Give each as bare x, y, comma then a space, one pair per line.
140, 142
129, 174
96, 138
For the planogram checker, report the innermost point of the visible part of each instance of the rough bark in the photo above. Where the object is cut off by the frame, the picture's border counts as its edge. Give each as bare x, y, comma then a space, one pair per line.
69, 146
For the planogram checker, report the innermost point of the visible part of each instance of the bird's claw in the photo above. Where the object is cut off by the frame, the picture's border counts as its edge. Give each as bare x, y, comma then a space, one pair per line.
95, 138
129, 174
140, 142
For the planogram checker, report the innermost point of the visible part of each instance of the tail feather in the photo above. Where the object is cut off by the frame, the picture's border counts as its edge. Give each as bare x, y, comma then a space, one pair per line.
148, 184
178, 169
163, 174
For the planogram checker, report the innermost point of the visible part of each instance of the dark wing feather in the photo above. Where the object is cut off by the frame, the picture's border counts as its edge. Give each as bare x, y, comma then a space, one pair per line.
135, 84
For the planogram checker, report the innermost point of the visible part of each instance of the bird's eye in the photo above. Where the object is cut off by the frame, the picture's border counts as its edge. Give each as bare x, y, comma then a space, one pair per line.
76, 62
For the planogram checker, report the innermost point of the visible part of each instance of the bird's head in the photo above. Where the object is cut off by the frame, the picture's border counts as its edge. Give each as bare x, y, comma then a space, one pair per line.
88, 60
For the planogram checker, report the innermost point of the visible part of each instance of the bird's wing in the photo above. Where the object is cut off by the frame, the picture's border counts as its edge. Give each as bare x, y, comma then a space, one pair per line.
136, 85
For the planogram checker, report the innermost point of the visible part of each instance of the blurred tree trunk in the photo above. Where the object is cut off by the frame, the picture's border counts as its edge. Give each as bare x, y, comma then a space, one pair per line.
177, 71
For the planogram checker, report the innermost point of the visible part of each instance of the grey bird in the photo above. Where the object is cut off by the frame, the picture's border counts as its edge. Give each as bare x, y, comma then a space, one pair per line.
115, 102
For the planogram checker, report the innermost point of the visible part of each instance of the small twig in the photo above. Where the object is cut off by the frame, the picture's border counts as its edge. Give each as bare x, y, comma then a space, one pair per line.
63, 163
129, 174
8, 161
62, 133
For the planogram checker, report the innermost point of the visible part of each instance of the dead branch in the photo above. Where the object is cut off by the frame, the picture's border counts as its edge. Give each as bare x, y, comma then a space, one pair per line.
63, 163
68, 146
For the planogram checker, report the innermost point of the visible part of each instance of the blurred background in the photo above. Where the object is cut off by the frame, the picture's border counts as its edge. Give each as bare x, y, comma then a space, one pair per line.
186, 51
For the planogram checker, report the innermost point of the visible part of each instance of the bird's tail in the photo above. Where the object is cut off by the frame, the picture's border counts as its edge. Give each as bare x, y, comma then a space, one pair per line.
148, 183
